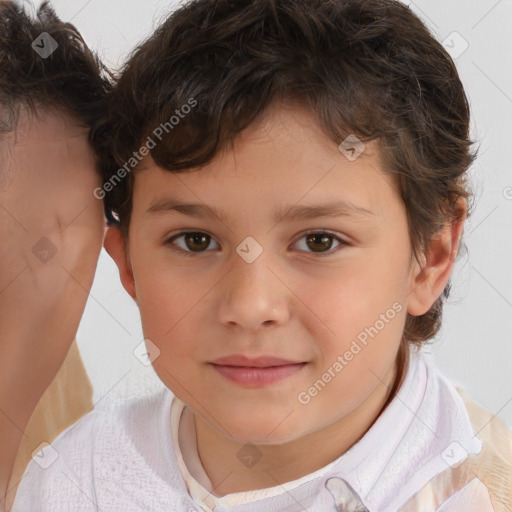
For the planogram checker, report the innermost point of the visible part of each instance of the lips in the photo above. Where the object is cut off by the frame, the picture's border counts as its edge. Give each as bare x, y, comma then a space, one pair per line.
259, 362
256, 372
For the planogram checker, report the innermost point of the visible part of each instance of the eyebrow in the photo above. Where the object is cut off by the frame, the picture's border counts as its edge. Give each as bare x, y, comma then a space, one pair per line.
286, 214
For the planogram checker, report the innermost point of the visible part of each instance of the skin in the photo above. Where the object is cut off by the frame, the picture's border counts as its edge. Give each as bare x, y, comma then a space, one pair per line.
46, 183
291, 302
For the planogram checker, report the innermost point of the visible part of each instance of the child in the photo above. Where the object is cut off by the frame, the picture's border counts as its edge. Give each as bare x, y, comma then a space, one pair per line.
315, 154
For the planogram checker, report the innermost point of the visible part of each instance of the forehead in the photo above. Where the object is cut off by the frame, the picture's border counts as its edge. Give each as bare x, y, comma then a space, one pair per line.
43, 144
42, 131
45, 126
283, 156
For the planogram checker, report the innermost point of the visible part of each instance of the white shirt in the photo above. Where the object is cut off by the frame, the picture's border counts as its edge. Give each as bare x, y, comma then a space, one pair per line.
141, 457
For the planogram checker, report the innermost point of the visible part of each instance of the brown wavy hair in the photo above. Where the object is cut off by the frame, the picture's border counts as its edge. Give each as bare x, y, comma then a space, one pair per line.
72, 79
364, 67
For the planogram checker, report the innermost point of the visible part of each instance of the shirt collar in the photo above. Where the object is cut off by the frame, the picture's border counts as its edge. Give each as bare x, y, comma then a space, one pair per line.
423, 430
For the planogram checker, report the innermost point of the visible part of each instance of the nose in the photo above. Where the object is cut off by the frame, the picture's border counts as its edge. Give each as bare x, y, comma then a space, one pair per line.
253, 296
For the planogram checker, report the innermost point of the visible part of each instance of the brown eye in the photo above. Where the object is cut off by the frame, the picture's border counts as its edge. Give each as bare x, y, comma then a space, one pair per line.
194, 241
199, 241
320, 242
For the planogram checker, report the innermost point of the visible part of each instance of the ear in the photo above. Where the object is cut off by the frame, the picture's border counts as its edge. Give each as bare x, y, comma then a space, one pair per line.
429, 281
114, 244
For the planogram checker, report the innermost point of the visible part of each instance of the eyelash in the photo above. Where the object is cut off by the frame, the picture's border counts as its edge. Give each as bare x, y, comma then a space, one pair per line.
173, 247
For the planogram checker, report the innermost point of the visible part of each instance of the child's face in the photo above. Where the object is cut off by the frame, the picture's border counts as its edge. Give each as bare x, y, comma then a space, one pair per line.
208, 300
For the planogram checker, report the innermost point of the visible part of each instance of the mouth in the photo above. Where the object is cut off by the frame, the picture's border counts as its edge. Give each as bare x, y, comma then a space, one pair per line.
258, 372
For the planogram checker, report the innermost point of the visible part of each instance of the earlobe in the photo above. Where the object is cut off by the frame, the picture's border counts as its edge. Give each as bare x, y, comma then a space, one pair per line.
430, 278
114, 244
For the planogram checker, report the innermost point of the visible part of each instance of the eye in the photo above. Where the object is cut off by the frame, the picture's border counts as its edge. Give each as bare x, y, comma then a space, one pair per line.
197, 242
321, 241
194, 241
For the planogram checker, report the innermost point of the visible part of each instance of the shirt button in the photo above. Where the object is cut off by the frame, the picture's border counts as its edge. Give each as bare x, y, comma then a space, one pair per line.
220, 508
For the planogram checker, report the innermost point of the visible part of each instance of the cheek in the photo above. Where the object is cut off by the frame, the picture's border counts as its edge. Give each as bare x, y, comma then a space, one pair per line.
343, 298
356, 312
168, 303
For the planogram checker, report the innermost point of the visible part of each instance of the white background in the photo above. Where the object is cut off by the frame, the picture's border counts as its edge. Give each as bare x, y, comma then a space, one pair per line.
474, 347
